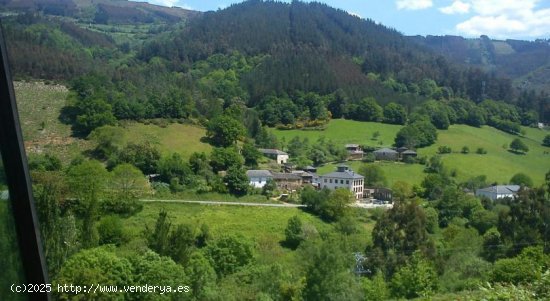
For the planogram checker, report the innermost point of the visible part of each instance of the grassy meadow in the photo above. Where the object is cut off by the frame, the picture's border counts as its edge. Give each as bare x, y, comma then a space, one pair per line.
39, 107
499, 164
343, 131
173, 138
263, 226
409, 173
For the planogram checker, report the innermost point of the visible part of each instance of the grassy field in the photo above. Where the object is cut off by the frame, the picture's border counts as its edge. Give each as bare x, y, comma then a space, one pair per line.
346, 131
499, 165
409, 173
39, 108
263, 226
174, 138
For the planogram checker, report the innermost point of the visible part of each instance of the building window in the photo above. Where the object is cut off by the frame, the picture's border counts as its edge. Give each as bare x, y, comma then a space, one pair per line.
330, 180
347, 181
341, 181
325, 181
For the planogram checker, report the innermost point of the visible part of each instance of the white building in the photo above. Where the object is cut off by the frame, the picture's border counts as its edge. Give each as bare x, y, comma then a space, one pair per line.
275, 154
346, 178
498, 192
258, 178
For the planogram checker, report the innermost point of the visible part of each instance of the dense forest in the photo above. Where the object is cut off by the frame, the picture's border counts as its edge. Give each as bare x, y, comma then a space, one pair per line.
217, 59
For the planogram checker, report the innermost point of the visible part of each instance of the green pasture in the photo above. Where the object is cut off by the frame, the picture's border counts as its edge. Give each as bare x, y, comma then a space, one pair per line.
263, 226
173, 138
343, 131
499, 164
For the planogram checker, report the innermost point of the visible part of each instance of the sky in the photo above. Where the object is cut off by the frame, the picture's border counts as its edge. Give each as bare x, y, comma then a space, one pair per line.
498, 19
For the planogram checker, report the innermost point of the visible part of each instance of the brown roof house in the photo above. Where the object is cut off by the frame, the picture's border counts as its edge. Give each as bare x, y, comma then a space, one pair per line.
355, 152
287, 181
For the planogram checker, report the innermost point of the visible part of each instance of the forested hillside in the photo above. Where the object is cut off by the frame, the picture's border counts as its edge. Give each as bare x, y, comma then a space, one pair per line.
515, 59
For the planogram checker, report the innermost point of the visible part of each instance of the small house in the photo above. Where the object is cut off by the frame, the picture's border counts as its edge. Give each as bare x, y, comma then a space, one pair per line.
355, 152
402, 149
498, 192
275, 154
379, 193
258, 178
408, 154
289, 167
287, 181
310, 169
307, 177
386, 154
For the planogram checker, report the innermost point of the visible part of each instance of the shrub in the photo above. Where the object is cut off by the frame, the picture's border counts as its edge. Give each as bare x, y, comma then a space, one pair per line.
111, 231
369, 158
481, 151
518, 146
522, 179
444, 149
465, 150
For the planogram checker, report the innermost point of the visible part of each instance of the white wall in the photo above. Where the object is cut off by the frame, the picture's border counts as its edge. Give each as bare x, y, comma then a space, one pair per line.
258, 182
355, 186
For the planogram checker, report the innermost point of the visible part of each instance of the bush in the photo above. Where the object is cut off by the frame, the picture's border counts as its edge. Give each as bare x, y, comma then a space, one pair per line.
465, 150
293, 232
119, 206
546, 141
369, 158
518, 146
111, 231
444, 149
228, 254
417, 279
522, 180
417, 134
481, 151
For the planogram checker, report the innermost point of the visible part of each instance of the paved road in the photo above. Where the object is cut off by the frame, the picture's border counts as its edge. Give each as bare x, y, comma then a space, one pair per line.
283, 205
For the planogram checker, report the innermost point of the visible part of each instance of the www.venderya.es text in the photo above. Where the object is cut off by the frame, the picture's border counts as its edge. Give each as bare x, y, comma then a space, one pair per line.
95, 288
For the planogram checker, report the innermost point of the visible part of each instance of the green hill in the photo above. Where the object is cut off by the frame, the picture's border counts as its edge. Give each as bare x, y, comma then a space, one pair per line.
499, 165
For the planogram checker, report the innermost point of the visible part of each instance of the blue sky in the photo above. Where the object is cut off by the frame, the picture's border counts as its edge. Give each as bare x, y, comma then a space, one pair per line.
500, 19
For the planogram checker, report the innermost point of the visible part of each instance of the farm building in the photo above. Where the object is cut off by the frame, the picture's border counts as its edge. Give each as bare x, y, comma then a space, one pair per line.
379, 193
275, 154
386, 154
287, 181
346, 178
355, 152
498, 192
258, 178
408, 154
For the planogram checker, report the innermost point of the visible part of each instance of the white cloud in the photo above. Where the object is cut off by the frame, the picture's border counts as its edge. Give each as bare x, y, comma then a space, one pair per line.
506, 19
458, 7
414, 4
169, 3
355, 14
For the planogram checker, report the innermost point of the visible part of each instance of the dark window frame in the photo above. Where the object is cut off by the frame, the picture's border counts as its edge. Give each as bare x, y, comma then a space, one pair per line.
19, 182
